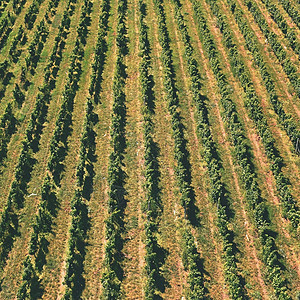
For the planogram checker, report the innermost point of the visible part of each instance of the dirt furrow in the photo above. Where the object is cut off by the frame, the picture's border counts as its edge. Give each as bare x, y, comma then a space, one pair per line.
134, 167
172, 213
99, 197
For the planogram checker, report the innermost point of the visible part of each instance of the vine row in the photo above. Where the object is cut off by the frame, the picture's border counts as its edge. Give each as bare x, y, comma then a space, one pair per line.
34, 49
256, 203
292, 11
6, 25
183, 172
217, 190
288, 67
113, 273
3, 5
155, 254
290, 209
74, 281
48, 206
288, 32
285, 119
9, 221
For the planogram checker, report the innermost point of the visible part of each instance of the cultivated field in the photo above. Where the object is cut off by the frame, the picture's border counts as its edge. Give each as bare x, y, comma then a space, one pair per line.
149, 149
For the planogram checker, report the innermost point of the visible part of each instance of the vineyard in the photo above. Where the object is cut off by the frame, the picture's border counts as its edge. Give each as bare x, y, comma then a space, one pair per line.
150, 149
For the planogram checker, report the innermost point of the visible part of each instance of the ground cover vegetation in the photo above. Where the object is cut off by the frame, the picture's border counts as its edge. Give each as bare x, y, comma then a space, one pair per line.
70, 93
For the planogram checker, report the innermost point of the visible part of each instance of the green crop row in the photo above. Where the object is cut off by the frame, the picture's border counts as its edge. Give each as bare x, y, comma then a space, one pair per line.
288, 32
243, 156
154, 257
9, 220
113, 273
48, 206
214, 164
288, 67
4, 3
74, 281
285, 119
290, 208
292, 11
34, 50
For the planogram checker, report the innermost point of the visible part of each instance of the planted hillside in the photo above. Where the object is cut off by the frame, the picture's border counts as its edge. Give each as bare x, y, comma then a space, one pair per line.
149, 149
